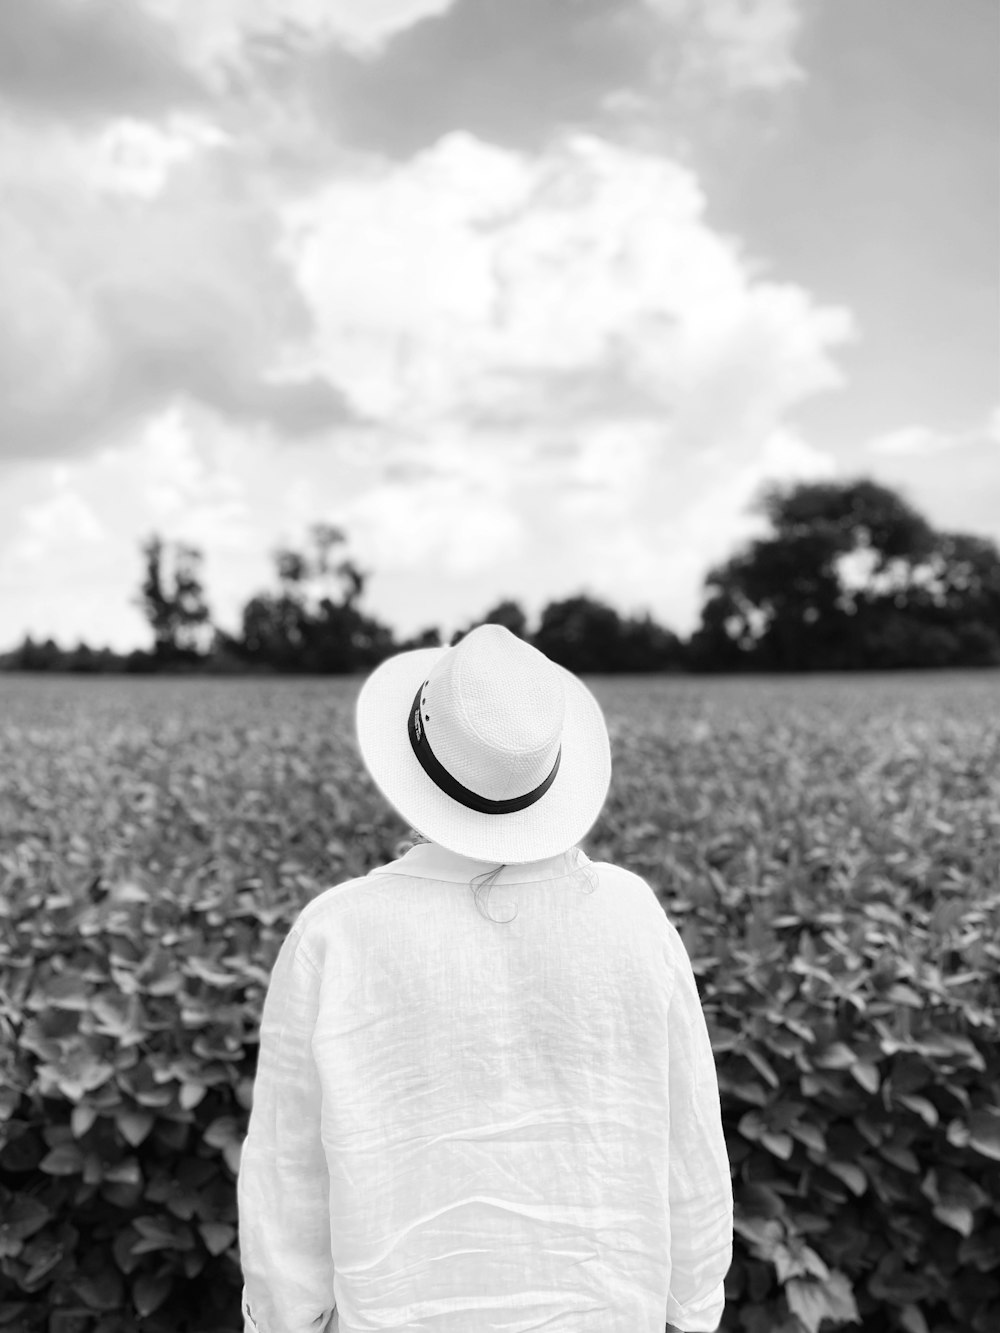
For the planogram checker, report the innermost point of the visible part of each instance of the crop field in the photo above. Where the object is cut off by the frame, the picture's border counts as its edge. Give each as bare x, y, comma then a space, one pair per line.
719, 785
828, 847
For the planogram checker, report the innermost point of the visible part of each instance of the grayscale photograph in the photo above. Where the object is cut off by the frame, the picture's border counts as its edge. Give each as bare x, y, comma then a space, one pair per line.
499, 666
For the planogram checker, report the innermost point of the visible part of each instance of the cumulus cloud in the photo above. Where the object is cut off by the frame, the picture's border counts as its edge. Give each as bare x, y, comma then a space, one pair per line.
544, 369
71, 532
457, 523
219, 32
478, 281
136, 157
951, 476
913, 440
744, 45
566, 369
60, 521
90, 59
918, 441
164, 287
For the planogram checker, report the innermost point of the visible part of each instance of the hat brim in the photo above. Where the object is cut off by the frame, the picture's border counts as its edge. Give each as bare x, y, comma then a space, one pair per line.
553, 824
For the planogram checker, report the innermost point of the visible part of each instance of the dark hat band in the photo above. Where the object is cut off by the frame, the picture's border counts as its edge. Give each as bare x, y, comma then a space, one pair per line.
440, 776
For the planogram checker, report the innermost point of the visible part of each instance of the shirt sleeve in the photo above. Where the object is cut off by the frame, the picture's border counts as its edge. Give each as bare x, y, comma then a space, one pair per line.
700, 1180
283, 1182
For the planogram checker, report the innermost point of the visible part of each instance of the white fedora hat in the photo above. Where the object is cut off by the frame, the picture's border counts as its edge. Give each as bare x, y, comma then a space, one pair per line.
487, 747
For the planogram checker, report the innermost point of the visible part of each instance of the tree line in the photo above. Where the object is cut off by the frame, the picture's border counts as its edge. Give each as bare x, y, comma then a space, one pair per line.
849, 577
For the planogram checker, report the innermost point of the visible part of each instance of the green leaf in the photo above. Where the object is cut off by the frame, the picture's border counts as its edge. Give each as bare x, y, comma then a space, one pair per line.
101, 1291
923, 1108
796, 1259
82, 1118
65, 1160
762, 1066
810, 1136
837, 1056
763, 1233
984, 1136
149, 1293
190, 1095
134, 1126
218, 1236
958, 1216
852, 1176
125, 1172
812, 1301
24, 1216
44, 1258
958, 1133
121, 1248
899, 1156
890, 1284
757, 1199
128, 892
867, 1075
231, 1154
9, 1100
66, 990
223, 1131
781, 1145
912, 1320
78, 1073
751, 1125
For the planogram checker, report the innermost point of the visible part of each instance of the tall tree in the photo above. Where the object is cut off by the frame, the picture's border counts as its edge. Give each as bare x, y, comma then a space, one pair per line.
580, 633
314, 624
851, 576
313, 574
507, 613
176, 609
946, 613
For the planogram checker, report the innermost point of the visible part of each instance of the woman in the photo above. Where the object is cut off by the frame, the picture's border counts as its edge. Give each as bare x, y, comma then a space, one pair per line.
464, 1124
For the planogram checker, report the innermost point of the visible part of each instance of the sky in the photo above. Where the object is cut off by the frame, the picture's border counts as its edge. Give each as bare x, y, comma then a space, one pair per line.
529, 297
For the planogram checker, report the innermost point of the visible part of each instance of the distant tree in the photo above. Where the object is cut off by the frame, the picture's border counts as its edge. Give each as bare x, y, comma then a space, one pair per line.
83, 659
177, 614
314, 624
273, 630
851, 576
581, 634
314, 573
511, 615
946, 613
140, 663
425, 638
644, 645
507, 613
32, 656
725, 639
341, 638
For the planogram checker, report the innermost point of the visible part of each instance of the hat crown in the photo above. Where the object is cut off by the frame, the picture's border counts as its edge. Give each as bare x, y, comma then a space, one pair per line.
493, 710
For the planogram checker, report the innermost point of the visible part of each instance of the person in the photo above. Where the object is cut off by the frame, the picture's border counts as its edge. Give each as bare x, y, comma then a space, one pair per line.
464, 1122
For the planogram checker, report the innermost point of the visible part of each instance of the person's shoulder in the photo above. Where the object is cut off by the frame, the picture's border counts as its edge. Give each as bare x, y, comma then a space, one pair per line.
337, 898
324, 907
646, 899
615, 871
627, 882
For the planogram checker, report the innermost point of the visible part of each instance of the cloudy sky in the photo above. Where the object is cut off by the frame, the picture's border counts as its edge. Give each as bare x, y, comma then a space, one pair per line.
530, 296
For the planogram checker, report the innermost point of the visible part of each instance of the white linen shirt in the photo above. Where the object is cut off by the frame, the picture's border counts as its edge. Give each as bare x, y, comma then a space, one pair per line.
460, 1126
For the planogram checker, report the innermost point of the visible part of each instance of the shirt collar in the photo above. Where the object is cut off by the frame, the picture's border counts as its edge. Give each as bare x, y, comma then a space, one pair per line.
428, 860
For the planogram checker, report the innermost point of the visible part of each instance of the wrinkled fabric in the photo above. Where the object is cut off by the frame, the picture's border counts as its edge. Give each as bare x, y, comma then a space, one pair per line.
460, 1126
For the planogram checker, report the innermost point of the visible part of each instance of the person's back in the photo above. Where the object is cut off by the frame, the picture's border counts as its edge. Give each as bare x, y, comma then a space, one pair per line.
469, 1119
